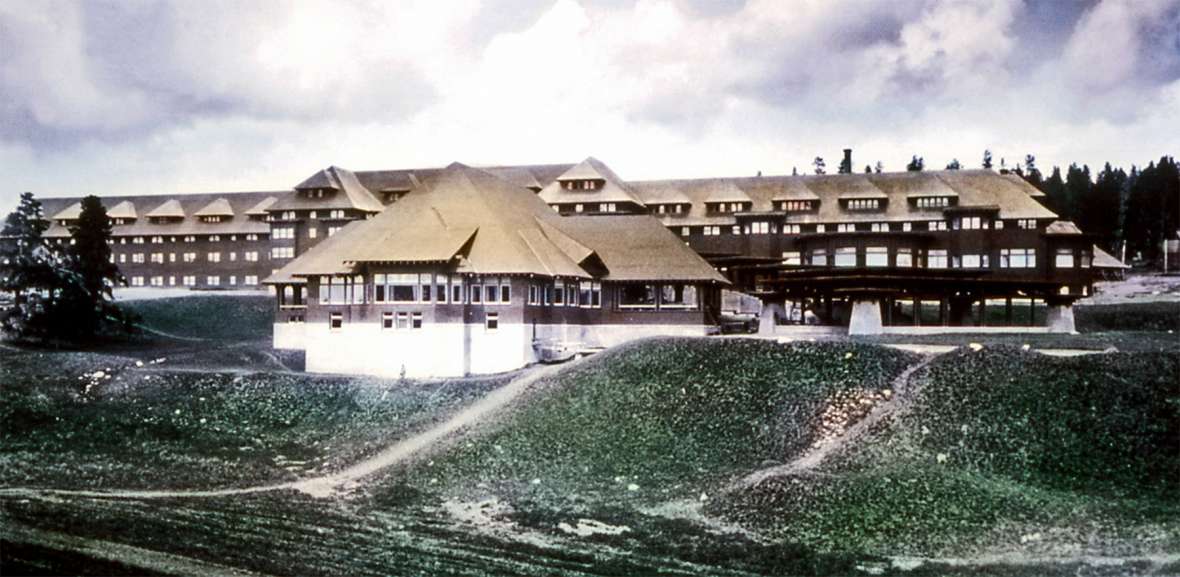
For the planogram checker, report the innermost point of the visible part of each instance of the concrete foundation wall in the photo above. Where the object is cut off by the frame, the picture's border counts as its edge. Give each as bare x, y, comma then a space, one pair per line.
289, 336
866, 318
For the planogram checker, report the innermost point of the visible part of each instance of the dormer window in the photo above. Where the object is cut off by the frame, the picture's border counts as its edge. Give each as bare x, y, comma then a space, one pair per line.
864, 204
932, 202
212, 218
727, 207
795, 205
582, 184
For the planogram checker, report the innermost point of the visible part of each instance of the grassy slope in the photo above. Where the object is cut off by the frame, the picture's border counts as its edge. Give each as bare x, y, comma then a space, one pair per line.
1150, 316
1084, 448
672, 416
196, 429
217, 317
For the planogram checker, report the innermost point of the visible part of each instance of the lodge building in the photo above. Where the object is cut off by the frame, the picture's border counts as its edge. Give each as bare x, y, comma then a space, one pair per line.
392, 250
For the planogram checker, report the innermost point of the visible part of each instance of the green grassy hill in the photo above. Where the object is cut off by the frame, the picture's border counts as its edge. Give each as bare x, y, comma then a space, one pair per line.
668, 418
1001, 447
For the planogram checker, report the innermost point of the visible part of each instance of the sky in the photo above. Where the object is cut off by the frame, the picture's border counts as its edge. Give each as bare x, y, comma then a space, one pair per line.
159, 97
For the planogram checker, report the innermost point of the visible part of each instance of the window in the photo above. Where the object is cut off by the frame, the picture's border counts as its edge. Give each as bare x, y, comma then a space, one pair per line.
214, 257
415, 320
172, 281
333, 230
136, 281
864, 204
534, 294
475, 295
578, 208
250, 280
278, 252
342, 290
157, 257
137, 257
936, 258
387, 320
711, 231
505, 291
684, 230
212, 218
846, 227
678, 296
190, 238
968, 223
492, 321
737, 229
1027, 223
936, 225
189, 280
876, 256
1018, 258
792, 258
558, 293
596, 295
282, 232
606, 207
997, 225
760, 227
137, 240
337, 214
335, 321
547, 294
395, 288
904, 258
795, 205
907, 226
976, 261
157, 240
792, 229
457, 290
214, 238
311, 232
157, 281
250, 256
440, 288
880, 227
1063, 258
403, 321
1084, 259
845, 256
491, 292
190, 257
213, 280
171, 257
819, 257
233, 256
233, 280
932, 201
637, 296
251, 237
820, 228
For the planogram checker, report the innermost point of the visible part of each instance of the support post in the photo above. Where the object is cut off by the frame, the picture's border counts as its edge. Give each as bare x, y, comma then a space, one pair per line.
1060, 318
866, 317
767, 321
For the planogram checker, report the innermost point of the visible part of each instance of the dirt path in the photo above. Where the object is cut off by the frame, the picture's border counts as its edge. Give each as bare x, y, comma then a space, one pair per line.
325, 486
903, 393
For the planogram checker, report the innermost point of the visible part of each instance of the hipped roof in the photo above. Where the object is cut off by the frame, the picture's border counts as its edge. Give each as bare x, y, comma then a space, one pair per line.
260, 208
613, 189
1103, 259
170, 209
176, 207
350, 193
218, 207
125, 209
639, 248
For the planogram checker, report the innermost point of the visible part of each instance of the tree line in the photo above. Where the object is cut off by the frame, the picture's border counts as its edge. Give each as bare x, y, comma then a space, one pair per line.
59, 293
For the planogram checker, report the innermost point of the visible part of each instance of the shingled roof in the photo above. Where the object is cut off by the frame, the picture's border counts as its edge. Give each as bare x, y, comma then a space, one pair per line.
349, 193
169, 209
639, 248
613, 189
125, 209
218, 207
175, 207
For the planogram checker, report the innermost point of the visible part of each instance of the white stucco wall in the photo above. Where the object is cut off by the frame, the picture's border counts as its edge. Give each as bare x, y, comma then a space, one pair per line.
289, 336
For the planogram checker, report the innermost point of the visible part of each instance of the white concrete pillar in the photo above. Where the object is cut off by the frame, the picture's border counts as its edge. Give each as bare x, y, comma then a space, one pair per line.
1060, 319
866, 317
766, 319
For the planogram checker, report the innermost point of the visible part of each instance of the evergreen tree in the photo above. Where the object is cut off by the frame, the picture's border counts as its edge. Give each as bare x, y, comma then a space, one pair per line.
1077, 187
916, 164
818, 163
1098, 211
954, 164
868, 169
29, 269
1031, 174
87, 304
987, 159
1054, 189
880, 167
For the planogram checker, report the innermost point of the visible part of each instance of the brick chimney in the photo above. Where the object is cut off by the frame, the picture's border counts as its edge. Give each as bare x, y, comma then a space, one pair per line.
848, 158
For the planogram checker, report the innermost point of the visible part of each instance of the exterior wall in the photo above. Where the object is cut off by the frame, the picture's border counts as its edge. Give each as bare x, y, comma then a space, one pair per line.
290, 336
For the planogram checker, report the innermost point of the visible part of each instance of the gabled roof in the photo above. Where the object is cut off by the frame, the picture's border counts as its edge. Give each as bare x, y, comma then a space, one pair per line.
219, 207
1103, 259
662, 193
983, 187
169, 209
350, 193
613, 188
793, 189
71, 212
1062, 227
260, 208
845, 186
466, 216
640, 248
727, 191
125, 209
912, 184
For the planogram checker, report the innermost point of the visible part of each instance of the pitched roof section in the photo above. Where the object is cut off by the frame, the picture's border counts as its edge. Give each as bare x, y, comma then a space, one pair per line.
1103, 259
260, 208
125, 209
350, 193
468, 216
845, 186
318, 260
71, 212
1062, 227
219, 207
727, 191
613, 189
169, 209
912, 184
640, 248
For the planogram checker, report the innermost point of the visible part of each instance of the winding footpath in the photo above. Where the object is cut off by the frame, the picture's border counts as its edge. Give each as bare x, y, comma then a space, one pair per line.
341, 481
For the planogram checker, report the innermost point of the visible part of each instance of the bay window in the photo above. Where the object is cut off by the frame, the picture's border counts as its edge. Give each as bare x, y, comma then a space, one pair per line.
637, 296
876, 256
678, 296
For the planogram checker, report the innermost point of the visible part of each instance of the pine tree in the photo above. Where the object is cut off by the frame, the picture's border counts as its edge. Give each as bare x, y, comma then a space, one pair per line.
953, 164
87, 303
1055, 195
987, 159
1031, 174
1098, 211
1077, 187
818, 163
916, 164
868, 169
880, 167
29, 269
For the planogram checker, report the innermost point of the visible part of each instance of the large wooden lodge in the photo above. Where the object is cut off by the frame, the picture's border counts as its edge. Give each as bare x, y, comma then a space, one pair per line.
471, 270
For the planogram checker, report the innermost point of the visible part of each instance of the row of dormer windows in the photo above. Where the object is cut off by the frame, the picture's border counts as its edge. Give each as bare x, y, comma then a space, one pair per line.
187, 257
191, 280
582, 184
191, 238
770, 227
879, 256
